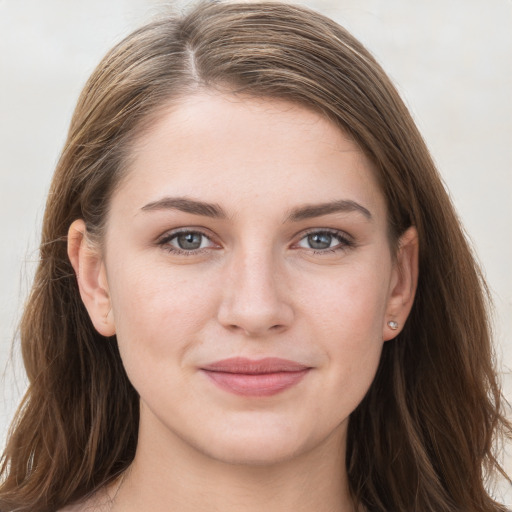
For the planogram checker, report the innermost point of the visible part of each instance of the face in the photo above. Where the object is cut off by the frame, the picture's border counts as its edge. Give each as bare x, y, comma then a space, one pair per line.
247, 273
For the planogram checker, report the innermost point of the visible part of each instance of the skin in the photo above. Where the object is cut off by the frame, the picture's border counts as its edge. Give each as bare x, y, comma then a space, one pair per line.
254, 288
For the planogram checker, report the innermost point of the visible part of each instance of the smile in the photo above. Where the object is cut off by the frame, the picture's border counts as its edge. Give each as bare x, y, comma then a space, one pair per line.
260, 378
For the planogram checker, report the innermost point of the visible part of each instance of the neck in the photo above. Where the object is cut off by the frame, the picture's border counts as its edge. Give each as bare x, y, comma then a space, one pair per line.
173, 475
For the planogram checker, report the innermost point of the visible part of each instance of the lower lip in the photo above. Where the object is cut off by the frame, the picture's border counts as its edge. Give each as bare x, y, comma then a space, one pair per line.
263, 384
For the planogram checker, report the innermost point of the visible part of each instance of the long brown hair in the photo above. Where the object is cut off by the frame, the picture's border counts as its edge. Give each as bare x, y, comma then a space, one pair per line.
423, 438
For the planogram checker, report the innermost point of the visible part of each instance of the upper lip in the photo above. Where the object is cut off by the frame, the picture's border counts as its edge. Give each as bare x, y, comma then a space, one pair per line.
255, 366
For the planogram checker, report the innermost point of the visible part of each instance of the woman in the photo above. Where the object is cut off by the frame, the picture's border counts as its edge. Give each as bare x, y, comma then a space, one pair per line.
253, 290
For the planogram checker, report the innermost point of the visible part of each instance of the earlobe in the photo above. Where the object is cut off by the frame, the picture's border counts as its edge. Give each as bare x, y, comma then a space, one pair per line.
89, 268
403, 284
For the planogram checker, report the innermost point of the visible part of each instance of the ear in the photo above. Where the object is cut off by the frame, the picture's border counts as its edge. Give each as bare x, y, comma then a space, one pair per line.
91, 275
404, 281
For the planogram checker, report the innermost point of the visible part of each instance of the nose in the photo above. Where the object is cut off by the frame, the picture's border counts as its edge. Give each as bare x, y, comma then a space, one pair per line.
255, 301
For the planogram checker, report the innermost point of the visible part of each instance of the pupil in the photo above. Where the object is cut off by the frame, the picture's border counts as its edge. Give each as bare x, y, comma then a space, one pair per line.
320, 240
189, 241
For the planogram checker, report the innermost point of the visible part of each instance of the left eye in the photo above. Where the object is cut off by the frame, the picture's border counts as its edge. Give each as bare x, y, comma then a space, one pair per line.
321, 240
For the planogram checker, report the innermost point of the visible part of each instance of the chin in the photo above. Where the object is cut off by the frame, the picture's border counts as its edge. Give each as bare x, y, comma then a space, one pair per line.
261, 447
258, 454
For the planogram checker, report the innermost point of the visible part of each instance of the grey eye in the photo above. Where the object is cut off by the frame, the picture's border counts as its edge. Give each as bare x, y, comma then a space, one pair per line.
320, 240
188, 241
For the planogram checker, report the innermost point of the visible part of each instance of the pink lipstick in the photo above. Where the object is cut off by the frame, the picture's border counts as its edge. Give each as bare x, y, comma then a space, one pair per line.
257, 378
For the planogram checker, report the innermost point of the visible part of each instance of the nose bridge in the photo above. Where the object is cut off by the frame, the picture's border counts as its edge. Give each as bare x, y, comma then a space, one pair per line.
254, 300
256, 280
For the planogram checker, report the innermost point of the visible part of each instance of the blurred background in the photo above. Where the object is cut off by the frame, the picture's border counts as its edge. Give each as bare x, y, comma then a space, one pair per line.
451, 62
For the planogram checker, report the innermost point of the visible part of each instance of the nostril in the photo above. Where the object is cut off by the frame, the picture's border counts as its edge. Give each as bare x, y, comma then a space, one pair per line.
254, 330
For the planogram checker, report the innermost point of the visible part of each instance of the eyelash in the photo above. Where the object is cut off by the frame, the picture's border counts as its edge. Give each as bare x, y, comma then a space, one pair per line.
344, 244
167, 238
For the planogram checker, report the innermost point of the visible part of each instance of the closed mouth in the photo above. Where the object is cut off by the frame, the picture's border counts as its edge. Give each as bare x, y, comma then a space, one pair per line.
255, 378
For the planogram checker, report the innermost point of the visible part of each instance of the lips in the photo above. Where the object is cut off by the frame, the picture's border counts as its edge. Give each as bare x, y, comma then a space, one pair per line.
256, 378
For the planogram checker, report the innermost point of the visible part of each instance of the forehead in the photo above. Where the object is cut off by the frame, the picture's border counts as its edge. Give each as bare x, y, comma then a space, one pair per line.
242, 151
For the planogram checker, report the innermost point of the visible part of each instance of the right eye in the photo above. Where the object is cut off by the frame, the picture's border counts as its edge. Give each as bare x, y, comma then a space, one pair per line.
186, 242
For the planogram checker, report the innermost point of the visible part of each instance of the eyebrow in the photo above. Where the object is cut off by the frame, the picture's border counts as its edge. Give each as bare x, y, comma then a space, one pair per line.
317, 210
212, 210
188, 206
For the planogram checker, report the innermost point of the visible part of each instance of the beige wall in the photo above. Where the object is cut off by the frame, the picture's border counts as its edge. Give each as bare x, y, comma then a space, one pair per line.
450, 60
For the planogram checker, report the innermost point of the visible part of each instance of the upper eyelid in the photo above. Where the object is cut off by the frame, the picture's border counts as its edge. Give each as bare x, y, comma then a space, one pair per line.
331, 231
170, 234
323, 230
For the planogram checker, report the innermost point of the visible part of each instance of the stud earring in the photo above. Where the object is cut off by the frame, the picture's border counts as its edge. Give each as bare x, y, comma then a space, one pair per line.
393, 325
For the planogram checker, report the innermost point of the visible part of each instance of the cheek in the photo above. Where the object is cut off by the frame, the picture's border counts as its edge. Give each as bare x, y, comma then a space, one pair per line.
158, 314
352, 300
157, 310
348, 314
